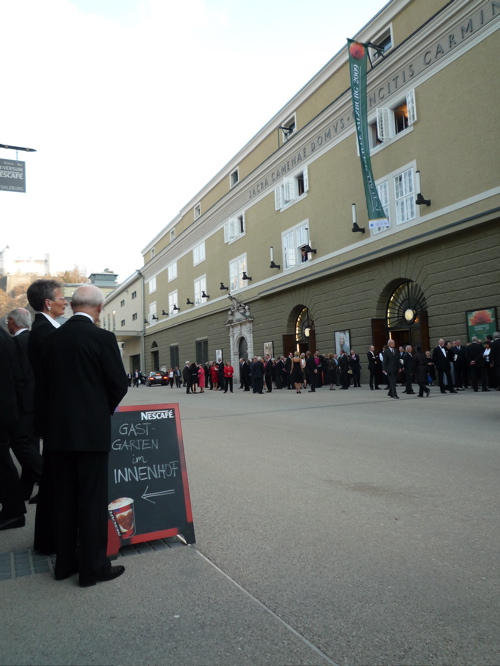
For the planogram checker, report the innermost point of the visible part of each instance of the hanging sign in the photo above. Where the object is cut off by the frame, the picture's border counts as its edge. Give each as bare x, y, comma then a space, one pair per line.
12, 176
148, 492
358, 56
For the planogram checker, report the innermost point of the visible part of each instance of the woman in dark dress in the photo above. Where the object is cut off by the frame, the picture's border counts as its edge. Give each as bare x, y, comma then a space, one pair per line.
297, 375
193, 371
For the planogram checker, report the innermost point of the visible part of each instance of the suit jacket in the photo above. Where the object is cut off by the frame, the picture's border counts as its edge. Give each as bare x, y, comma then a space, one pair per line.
372, 360
310, 365
408, 363
27, 378
439, 359
390, 363
83, 381
495, 351
9, 383
474, 352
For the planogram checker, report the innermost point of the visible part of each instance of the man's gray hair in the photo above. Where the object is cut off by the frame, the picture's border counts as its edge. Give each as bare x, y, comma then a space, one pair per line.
474, 338
496, 335
21, 317
88, 295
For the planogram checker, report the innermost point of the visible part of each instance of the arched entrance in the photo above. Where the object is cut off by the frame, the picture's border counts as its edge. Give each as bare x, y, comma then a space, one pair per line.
243, 348
405, 318
155, 357
304, 337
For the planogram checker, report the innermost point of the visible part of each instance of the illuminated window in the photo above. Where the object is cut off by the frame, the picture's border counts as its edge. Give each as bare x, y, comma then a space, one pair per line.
237, 267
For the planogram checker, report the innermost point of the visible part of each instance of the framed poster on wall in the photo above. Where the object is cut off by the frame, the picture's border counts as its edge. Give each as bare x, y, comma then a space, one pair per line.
481, 323
342, 341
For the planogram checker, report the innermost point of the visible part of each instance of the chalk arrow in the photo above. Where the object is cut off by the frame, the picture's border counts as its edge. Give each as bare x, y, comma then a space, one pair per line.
147, 495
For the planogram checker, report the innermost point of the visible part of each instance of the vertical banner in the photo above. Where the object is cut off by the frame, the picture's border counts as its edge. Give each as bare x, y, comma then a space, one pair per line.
358, 56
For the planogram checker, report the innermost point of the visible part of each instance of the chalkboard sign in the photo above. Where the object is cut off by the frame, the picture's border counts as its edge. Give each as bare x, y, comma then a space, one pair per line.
148, 485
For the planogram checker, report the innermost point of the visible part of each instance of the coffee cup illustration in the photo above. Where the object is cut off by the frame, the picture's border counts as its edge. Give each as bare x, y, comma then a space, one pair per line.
121, 511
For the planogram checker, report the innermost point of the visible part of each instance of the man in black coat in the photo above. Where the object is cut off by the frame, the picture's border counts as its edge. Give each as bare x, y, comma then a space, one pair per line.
442, 363
474, 355
258, 375
26, 445
11, 498
269, 373
409, 369
344, 370
355, 366
460, 363
391, 367
83, 383
495, 358
373, 362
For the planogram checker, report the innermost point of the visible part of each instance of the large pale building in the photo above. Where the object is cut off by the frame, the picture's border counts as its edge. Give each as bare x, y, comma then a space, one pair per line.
265, 256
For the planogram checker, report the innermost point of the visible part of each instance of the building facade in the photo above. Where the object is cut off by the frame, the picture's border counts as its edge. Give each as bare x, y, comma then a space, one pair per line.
265, 257
123, 314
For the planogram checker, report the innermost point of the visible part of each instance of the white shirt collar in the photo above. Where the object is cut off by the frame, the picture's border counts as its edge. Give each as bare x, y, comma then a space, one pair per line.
54, 323
85, 314
21, 330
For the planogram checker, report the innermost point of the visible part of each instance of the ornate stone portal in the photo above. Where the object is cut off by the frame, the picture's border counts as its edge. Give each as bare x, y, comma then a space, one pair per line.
240, 324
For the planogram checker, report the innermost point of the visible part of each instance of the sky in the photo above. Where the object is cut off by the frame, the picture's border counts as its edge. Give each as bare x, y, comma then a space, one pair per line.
134, 105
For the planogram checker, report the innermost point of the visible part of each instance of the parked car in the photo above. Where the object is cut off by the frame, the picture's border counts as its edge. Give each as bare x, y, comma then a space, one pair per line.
156, 378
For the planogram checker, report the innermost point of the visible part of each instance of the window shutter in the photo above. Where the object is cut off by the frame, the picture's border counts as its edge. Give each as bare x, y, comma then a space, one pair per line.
384, 125
287, 190
277, 198
306, 180
411, 107
302, 236
226, 232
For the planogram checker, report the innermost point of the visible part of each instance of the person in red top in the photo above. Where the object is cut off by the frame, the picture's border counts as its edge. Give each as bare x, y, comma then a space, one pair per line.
214, 376
228, 377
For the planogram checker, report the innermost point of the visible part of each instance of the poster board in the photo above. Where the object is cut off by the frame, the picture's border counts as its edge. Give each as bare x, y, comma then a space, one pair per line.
148, 491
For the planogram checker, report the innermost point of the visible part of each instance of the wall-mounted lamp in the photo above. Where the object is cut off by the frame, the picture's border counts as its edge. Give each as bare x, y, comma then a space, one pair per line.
188, 302
271, 253
420, 201
245, 276
203, 295
155, 317
176, 308
165, 314
223, 287
308, 248
146, 322
355, 226
286, 130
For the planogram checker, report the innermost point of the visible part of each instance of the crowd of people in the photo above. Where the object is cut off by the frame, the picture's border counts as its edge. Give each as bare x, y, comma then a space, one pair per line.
450, 365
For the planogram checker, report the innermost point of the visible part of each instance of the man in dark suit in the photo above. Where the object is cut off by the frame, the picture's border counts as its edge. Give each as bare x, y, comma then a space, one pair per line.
258, 375
442, 363
474, 356
83, 382
495, 358
372, 367
269, 373
26, 445
355, 366
391, 366
408, 368
11, 498
460, 363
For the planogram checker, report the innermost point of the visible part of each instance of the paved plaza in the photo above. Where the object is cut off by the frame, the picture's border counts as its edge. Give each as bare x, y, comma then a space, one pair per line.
340, 527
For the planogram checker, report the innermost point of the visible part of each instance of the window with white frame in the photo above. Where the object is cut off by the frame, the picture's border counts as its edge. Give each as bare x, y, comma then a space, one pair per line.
152, 252
394, 120
237, 267
152, 312
197, 211
152, 285
122, 322
199, 253
295, 246
291, 189
200, 287
234, 228
172, 300
172, 234
234, 177
288, 127
172, 271
134, 295
397, 196
134, 316
404, 196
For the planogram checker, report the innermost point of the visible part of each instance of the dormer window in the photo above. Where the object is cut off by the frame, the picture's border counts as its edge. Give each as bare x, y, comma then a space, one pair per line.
288, 128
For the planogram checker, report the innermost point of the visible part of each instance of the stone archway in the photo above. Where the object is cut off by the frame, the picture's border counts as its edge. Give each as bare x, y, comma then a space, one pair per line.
303, 337
240, 325
404, 316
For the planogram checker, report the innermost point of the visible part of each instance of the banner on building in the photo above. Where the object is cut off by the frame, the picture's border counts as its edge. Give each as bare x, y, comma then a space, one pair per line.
358, 55
12, 176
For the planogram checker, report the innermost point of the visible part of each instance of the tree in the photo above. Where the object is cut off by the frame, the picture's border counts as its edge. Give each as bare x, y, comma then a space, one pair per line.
75, 275
16, 298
